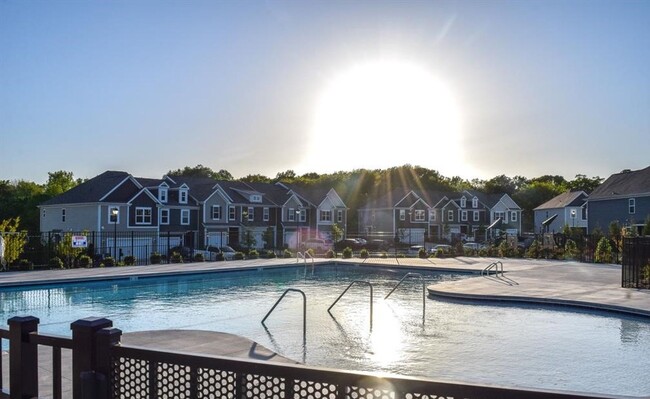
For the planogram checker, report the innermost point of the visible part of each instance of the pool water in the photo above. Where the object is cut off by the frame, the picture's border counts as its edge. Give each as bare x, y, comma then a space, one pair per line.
479, 343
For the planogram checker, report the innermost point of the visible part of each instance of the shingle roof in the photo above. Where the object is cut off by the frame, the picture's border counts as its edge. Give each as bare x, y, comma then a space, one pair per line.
91, 190
570, 198
625, 183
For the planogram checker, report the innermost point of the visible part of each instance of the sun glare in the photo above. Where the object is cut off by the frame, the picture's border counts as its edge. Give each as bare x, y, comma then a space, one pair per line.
384, 114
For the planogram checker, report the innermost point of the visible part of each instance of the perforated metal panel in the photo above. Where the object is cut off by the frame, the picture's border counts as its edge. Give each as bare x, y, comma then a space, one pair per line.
316, 390
130, 378
217, 384
263, 387
173, 381
369, 393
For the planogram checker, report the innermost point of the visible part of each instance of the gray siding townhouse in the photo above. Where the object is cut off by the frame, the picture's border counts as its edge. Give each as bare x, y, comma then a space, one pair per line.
565, 209
623, 197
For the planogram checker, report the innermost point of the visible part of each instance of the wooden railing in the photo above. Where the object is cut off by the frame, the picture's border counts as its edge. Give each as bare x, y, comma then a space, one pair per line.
102, 368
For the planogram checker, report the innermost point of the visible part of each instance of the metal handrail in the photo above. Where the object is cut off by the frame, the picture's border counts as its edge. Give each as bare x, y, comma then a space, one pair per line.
304, 311
304, 256
424, 291
496, 264
346, 290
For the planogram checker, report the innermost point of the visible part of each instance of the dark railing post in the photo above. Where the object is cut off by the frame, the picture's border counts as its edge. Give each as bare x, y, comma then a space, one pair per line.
23, 358
84, 355
105, 339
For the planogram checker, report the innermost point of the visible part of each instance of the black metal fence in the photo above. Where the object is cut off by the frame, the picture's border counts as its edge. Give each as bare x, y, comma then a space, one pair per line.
102, 368
636, 262
67, 246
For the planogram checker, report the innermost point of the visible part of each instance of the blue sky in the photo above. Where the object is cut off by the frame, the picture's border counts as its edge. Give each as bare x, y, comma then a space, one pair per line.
541, 87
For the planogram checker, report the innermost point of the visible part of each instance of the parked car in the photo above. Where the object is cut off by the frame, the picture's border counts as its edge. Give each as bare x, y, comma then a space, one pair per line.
347, 242
473, 245
446, 249
318, 245
415, 249
185, 252
228, 252
377, 245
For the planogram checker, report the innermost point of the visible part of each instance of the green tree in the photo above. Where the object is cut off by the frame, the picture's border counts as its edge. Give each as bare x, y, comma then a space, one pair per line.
583, 183
256, 179
287, 176
201, 171
337, 233
646, 227
603, 251
14, 239
59, 182
267, 237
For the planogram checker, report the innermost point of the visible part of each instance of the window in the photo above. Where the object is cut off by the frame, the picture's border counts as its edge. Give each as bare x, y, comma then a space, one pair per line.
164, 216
231, 213
303, 215
216, 212
584, 213
419, 215
63, 215
432, 215
113, 215
292, 214
463, 216
631, 205
265, 214
463, 202
513, 216
474, 202
142, 215
182, 196
325, 216
476, 216
256, 198
450, 215
251, 213
185, 216
162, 195
501, 215
402, 214
339, 216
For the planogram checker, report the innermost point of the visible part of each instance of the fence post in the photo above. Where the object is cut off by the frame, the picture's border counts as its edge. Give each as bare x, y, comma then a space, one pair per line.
23, 358
105, 339
83, 353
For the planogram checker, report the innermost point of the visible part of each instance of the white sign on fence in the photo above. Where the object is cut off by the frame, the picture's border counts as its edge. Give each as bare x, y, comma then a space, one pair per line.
79, 242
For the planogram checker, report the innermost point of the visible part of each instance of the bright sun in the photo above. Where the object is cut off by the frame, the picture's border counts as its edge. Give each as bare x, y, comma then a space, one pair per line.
383, 114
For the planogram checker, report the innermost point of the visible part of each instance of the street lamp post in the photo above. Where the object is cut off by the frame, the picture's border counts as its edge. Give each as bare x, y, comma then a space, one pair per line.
297, 230
115, 212
573, 217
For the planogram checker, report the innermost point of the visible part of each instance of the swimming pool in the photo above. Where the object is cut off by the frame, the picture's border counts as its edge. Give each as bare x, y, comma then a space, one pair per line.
522, 346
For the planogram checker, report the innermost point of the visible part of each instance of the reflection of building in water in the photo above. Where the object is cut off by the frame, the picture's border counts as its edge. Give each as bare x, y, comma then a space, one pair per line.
19, 301
631, 330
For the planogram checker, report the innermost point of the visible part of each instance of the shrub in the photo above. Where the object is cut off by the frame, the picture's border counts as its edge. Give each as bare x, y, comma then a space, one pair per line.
253, 254
646, 273
109, 261
603, 251
330, 254
155, 258
176, 258
533, 250
311, 252
84, 261
422, 253
287, 253
440, 253
238, 256
198, 257
400, 255
483, 252
24, 265
363, 254
347, 253
383, 255
570, 249
56, 263
129, 260
271, 254
220, 257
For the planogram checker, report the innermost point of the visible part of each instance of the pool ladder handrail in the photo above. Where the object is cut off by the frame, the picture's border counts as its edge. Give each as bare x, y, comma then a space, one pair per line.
304, 310
304, 256
424, 290
346, 290
495, 265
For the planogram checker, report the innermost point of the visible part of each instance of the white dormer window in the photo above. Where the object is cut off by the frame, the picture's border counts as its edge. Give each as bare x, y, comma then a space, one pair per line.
256, 198
474, 202
162, 195
631, 206
463, 202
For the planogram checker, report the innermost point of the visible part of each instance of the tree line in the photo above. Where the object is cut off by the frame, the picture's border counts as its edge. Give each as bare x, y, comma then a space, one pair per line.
19, 199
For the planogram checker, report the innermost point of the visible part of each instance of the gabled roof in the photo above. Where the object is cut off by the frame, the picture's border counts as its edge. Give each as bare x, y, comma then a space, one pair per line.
624, 184
313, 195
570, 198
387, 200
92, 190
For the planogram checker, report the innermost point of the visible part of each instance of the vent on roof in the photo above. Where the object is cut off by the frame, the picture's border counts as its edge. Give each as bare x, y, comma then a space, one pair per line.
626, 171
